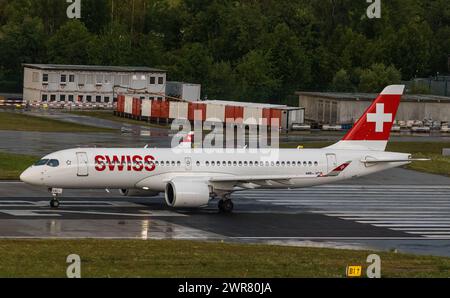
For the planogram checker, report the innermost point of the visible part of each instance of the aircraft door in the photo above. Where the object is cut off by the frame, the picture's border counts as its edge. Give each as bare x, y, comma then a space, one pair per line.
82, 163
331, 162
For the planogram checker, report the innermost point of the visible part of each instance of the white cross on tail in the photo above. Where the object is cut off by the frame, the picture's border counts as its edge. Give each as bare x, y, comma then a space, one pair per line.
379, 117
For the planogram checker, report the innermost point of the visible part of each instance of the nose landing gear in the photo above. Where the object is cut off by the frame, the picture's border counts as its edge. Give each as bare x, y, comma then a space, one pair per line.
56, 192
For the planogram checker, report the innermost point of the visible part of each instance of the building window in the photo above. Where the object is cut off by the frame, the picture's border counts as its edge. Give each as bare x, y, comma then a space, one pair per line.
71, 78
53, 97
35, 77
152, 80
63, 78
71, 98
161, 80
88, 98
99, 79
45, 78
62, 97
80, 98
44, 97
98, 99
106, 99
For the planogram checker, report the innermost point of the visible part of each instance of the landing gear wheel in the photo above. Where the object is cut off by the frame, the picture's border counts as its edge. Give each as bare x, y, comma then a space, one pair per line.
54, 203
226, 206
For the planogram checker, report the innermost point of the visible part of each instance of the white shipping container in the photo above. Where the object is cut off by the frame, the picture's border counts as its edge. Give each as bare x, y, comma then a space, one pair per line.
178, 110
128, 104
146, 108
289, 117
184, 91
252, 115
215, 112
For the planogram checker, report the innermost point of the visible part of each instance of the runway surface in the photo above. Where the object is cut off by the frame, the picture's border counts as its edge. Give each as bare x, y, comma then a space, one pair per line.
406, 217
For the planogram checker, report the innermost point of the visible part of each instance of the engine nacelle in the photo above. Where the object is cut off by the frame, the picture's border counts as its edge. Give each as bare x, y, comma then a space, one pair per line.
187, 194
138, 193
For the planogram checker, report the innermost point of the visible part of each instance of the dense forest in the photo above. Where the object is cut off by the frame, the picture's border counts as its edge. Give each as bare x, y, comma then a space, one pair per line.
251, 50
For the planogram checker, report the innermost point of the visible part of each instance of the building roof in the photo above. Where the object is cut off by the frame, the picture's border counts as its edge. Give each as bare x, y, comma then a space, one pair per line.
371, 96
244, 104
62, 67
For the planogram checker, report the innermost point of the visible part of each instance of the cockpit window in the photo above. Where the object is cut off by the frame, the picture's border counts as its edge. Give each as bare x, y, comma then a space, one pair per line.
53, 163
42, 162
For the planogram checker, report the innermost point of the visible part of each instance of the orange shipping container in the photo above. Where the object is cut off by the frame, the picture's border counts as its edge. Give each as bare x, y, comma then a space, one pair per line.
156, 109
266, 117
229, 114
275, 117
164, 109
136, 107
238, 114
195, 107
121, 103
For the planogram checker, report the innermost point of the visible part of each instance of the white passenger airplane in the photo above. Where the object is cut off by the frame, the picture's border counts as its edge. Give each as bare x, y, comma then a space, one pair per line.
191, 179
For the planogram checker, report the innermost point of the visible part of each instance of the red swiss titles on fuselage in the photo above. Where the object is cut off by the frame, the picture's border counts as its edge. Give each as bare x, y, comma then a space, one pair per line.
124, 163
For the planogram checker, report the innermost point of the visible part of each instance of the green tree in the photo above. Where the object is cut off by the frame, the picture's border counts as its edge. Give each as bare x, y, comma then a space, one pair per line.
377, 77
191, 63
291, 64
341, 82
222, 82
257, 77
70, 44
21, 43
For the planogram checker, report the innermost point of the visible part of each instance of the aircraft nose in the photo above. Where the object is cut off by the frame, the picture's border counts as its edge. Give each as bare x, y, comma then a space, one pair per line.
30, 177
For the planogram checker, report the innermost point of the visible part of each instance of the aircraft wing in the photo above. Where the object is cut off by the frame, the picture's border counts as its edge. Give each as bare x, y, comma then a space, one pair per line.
276, 178
258, 178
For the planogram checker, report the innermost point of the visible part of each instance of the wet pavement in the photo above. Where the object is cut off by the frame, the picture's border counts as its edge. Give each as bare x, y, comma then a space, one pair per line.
382, 213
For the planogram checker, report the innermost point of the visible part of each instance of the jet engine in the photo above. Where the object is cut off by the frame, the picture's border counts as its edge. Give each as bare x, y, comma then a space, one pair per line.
187, 194
138, 193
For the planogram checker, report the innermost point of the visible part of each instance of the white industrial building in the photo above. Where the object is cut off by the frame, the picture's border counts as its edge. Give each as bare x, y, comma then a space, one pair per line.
66, 84
345, 108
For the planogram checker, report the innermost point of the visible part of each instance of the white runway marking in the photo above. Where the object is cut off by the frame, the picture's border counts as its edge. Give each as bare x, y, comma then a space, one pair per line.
67, 203
417, 210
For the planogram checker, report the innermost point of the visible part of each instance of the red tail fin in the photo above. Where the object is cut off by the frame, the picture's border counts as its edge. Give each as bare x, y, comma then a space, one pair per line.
373, 129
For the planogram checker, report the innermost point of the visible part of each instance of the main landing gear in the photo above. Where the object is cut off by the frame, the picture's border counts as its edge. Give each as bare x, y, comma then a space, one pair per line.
56, 192
226, 205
